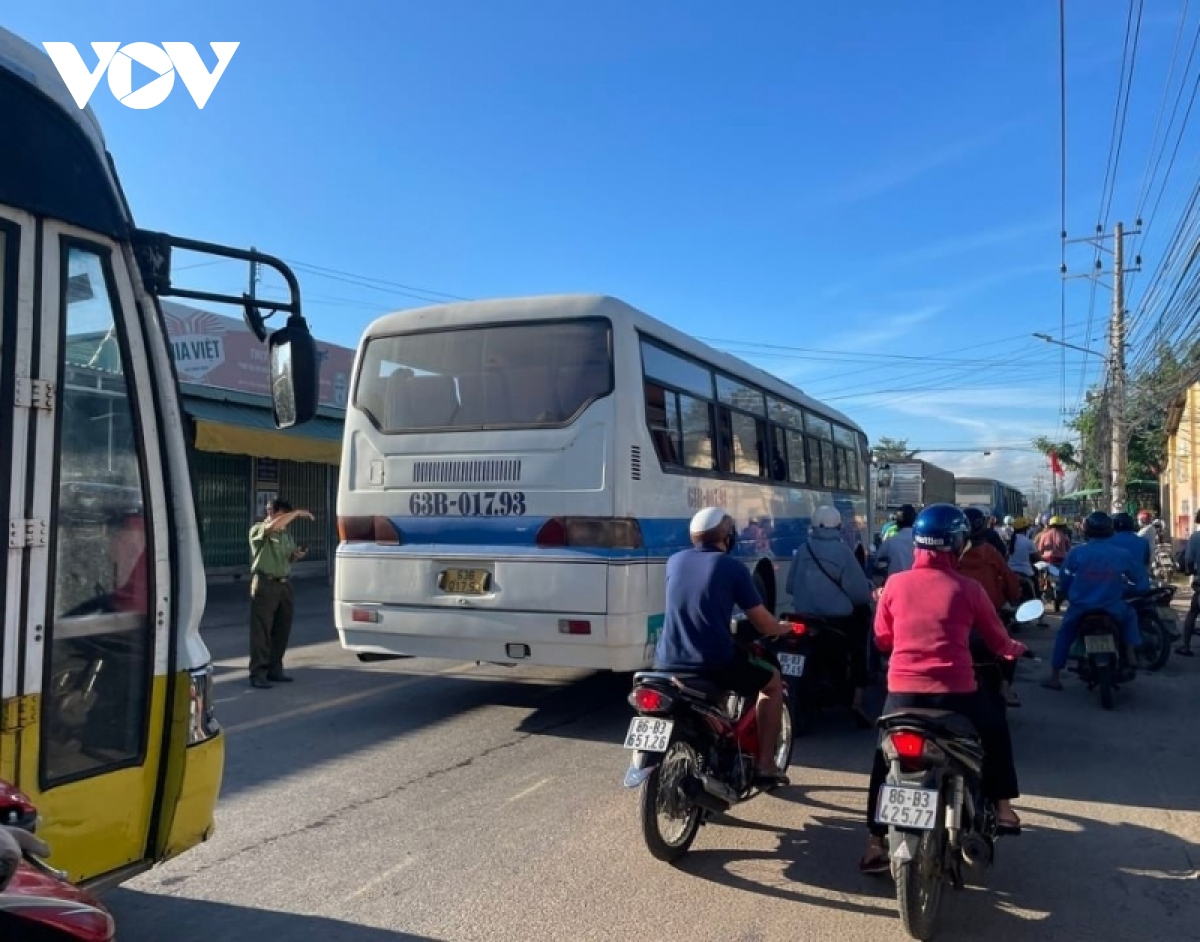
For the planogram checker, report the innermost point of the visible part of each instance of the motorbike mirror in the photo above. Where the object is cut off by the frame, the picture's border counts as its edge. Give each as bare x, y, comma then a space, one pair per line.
1030, 611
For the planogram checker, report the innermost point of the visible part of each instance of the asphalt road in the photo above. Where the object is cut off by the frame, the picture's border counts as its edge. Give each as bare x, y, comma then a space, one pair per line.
428, 800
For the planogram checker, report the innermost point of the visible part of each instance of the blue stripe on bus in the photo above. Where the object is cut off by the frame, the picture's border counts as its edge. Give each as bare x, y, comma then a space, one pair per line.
661, 536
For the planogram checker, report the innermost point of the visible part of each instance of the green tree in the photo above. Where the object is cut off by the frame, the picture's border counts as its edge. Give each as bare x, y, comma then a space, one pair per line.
892, 449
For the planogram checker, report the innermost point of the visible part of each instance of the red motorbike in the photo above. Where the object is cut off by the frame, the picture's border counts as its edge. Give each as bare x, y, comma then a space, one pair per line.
37, 902
694, 752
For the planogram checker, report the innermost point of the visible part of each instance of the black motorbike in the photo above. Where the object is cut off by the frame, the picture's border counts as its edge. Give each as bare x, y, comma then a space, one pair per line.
815, 663
1097, 655
933, 803
1158, 625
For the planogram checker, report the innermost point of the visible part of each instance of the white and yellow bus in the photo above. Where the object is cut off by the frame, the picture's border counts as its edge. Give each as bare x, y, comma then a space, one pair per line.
105, 714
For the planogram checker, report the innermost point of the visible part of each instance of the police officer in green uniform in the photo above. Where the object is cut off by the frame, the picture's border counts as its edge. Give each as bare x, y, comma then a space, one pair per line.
272, 552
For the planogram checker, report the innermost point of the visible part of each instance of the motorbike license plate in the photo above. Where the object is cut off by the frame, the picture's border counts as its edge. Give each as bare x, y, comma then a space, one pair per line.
792, 665
1099, 644
906, 807
649, 735
464, 581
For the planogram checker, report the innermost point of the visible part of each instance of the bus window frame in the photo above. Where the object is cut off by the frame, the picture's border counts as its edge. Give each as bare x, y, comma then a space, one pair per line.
767, 428
104, 253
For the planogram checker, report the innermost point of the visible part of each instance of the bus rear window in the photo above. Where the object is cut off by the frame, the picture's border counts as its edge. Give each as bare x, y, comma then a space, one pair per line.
526, 375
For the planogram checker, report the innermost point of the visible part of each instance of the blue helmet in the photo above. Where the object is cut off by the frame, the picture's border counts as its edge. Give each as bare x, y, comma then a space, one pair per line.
941, 528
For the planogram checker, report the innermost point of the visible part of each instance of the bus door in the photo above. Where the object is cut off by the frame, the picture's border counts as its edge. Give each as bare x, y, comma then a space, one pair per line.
93, 616
16, 315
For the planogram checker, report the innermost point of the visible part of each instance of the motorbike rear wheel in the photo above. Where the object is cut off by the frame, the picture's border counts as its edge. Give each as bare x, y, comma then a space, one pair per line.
662, 801
1156, 644
919, 884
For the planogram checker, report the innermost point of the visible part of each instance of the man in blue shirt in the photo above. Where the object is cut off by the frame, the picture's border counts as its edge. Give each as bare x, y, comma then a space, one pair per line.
703, 586
1096, 577
1125, 536
896, 553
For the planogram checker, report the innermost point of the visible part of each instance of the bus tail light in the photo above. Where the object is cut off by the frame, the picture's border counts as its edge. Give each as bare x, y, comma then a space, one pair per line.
371, 616
572, 627
202, 720
607, 532
369, 530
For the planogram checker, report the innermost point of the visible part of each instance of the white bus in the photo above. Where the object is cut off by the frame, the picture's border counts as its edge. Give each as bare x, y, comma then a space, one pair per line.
515, 474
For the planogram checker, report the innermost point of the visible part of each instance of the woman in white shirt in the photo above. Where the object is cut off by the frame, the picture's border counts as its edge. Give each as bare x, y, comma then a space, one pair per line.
1021, 555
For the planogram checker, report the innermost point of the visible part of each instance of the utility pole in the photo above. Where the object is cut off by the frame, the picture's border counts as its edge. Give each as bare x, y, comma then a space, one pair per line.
1115, 455
1116, 365
254, 275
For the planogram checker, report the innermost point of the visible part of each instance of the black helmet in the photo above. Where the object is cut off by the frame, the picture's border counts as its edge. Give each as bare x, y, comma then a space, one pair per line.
977, 521
906, 516
1098, 525
1123, 523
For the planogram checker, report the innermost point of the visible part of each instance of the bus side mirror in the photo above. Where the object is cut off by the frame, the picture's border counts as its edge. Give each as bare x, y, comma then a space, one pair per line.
295, 374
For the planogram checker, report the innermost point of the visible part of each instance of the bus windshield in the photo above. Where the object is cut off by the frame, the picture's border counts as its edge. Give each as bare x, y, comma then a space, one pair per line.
526, 375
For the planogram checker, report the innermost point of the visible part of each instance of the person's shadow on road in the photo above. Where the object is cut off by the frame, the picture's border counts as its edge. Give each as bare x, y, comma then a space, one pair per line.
1067, 877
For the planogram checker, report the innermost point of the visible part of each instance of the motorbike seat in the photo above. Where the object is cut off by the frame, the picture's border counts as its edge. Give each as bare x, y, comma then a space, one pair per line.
938, 722
696, 684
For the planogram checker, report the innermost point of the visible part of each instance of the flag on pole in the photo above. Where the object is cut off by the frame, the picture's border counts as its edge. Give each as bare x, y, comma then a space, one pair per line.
1055, 467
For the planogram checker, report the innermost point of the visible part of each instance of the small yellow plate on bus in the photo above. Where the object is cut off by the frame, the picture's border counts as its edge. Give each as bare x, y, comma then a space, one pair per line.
465, 581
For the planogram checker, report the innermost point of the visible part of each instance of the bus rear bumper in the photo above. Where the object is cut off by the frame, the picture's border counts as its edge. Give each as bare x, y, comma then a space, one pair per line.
498, 637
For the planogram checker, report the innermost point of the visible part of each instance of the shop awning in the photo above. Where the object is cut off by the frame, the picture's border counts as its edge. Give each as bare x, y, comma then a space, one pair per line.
234, 426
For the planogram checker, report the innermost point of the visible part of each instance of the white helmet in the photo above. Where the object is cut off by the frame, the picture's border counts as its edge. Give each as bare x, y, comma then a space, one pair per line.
828, 518
707, 520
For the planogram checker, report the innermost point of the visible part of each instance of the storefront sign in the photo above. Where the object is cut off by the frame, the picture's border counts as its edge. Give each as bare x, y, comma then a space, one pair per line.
213, 350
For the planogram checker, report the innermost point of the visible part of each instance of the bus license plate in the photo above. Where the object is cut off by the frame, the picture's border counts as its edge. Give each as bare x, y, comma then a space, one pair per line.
1099, 644
464, 581
905, 807
649, 735
792, 664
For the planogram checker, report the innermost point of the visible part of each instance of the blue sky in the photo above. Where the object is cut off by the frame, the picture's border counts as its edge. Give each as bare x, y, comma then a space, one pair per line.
872, 178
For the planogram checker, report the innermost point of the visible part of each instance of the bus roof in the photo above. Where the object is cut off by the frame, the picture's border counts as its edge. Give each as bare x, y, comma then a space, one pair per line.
959, 480
30, 63
61, 168
570, 306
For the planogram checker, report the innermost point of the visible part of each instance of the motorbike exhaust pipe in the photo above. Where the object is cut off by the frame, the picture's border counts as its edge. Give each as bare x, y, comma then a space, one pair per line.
694, 787
976, 851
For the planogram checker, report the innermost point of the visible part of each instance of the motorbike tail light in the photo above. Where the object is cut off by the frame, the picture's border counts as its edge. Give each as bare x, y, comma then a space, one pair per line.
65, 918
649, 700
798, 627
202, 720
908, 745
369, 530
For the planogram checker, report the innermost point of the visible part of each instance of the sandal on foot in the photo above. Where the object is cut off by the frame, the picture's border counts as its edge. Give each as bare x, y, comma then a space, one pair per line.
1009, 827
874, 861
1052, 684
1185, 652
1012, 701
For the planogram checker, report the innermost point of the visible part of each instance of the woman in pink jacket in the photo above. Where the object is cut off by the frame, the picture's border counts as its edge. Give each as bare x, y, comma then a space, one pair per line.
924, 620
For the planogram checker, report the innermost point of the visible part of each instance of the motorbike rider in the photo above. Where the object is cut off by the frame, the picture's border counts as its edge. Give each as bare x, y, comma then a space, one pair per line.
1053, 544
1021, 557
704, 584
1125, 536
1006, 528
925, 619
982, 563
1096, 577
1149, 529
896, 553
1191, 566
827, 582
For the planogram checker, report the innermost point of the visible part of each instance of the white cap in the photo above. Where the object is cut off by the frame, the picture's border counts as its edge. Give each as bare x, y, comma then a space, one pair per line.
707, 519
828, 517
